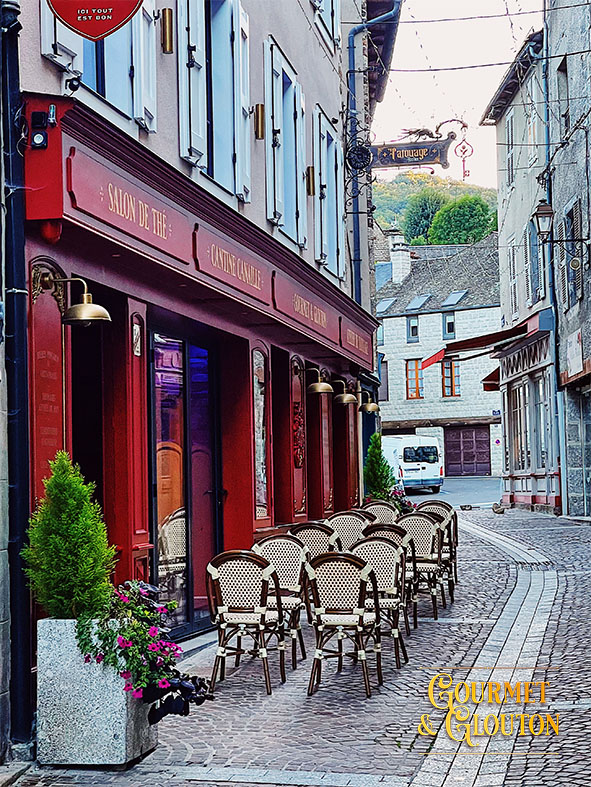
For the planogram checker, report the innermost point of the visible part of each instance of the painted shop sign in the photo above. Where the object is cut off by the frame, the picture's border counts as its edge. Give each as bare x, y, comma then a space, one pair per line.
230, 263
94, 21
356, 341
305, 308
409, 154
110, 197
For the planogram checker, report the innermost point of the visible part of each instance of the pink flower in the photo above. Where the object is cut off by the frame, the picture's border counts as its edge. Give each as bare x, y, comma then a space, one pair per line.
124, 643
126, 674
128, 686
100, 657
162, 610
153, 646
122, 597
159, 661
137, 693
143, 592
87, 658
163, 684
153, 631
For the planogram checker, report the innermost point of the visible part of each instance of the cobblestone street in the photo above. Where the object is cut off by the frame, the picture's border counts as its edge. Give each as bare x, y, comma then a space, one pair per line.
519, 615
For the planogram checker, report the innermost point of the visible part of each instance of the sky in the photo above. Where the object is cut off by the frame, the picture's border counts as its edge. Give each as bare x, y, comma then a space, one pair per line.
422, 100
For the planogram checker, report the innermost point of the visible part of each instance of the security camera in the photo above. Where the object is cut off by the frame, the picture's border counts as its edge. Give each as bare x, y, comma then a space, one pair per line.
73, 83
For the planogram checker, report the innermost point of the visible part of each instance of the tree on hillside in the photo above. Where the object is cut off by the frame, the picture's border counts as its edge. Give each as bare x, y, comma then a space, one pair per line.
420, 211
463, 220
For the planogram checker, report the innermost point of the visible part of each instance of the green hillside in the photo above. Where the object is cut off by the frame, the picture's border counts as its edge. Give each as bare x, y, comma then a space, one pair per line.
391, 197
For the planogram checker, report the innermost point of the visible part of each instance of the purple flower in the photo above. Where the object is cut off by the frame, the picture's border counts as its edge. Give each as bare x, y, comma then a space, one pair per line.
153, 631
137, 693
87, 658
126, 674
163, 684
128, 686
100, 657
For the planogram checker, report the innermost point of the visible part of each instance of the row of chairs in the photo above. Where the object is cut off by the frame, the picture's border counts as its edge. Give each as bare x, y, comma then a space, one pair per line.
355, 574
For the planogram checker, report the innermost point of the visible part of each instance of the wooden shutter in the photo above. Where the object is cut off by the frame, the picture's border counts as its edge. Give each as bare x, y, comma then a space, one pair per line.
527, 267
578, 249
316, 139
512, 279
241, 102
562, 270
144, 66
340, 183
321, 202
192, 81
302, 196
59, 43
273, 74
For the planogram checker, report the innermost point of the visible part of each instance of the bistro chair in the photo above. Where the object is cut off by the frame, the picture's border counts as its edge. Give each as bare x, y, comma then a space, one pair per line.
388, 562
340, 583
368, 515
287, 555
238, 592
316, 537
426, 534
384, 511
400, 537
448, 545
349, 525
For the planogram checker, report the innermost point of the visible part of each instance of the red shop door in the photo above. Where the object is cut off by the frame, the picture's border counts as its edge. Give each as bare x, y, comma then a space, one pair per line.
346, 471
319, 426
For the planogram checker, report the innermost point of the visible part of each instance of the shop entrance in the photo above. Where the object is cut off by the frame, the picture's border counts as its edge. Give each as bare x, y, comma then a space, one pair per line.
185, 487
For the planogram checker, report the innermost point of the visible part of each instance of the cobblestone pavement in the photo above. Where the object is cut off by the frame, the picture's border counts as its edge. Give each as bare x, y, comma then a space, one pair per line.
522, 601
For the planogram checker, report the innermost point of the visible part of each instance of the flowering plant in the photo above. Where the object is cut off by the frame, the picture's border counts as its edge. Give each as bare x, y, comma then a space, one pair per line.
129, 635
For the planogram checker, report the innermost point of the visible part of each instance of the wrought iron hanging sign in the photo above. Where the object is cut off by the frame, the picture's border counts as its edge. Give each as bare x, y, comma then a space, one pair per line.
94, 21
411, 154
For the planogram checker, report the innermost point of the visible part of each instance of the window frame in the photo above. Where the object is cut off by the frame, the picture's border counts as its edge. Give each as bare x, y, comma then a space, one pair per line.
510, 147
410, 319
444, 318
453, 365
416, 375
384, 388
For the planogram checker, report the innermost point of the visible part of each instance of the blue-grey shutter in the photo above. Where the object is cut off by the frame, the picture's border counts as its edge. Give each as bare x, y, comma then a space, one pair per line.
278, 132
269, 159
192, 81
340, 184
318, 228
118, 73
241, 102
59, 43
302, 197
144, 66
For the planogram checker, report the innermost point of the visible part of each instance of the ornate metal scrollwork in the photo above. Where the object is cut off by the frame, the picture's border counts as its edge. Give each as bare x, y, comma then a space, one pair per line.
43, 271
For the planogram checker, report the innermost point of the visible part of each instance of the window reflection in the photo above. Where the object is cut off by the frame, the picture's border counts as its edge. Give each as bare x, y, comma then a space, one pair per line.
259, 366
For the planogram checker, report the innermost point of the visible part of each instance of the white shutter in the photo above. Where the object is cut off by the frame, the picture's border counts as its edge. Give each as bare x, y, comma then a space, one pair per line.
241, 102
268, 51
527, 267
578, 248
59, 43
509, 139
562, 269
340, 183
542, 268
324, 185
278, 132
336, 5
316, 139
192, 81
144, 66
302, 197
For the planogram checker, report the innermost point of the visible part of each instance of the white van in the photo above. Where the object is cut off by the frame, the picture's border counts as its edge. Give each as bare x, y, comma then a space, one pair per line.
416, 460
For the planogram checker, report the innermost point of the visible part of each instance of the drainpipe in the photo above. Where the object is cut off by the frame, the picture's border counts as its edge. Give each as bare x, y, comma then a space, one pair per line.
391, 17
15, 285
559, 443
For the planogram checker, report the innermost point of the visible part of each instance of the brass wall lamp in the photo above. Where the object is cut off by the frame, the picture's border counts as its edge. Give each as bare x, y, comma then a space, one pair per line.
319, 386
84, 313
344, 397
370, 406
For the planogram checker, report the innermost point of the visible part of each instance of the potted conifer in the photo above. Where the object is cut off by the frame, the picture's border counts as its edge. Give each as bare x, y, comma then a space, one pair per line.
380, 479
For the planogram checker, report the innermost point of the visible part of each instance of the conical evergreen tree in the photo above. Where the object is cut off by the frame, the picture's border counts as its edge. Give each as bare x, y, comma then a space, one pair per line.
69, 560
378, 474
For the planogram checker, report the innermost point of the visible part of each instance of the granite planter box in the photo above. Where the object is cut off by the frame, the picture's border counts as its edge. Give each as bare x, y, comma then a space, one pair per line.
83, 715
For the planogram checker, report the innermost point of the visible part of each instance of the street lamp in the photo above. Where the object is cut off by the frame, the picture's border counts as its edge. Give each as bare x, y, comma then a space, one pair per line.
370, 406
543, 217
344, 397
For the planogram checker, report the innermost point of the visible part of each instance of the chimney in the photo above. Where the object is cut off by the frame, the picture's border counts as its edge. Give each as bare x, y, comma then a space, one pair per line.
399, 254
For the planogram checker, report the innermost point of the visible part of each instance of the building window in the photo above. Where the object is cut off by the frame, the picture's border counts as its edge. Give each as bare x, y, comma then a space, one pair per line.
285, 146
510, 148
541, 417
414, 379
534, 274
531, 116
506, 442
121, 68
214, 94
380, 334
412, 328
512, 260
449, 325
573, 228
329, 209
450, 378
563, 92
329, 19
519, 427
383, 392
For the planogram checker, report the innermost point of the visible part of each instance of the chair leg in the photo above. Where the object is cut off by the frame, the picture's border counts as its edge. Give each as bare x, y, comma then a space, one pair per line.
363, 660
403, 648
415, 618
406, 621
451, 589
238, 648
340, 651
294, 651
312, 683
378, 649
433, 589
442, 589
395, 637
301, 639
216, 665
281, 647
455, 572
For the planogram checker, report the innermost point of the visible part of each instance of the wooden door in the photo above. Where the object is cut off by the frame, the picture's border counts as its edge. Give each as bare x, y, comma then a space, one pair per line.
467, 450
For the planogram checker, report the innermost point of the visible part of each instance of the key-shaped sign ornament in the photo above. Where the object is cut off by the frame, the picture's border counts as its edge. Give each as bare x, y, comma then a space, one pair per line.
94, 21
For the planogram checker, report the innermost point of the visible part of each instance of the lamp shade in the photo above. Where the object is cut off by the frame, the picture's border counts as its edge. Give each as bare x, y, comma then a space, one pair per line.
543, 217
85, 313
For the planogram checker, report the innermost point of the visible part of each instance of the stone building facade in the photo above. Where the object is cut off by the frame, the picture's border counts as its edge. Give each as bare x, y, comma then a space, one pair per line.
428, 296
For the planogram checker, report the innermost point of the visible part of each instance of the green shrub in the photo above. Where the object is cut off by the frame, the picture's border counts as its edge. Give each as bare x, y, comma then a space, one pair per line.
69, 560
377, 472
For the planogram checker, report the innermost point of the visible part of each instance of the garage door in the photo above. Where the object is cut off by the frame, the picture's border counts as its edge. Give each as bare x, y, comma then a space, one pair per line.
467, 450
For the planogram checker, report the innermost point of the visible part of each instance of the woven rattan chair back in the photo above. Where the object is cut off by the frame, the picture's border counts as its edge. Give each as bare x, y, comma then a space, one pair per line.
349, 526
287, 555
238, 582
384, 557
385, 512
367, 515
317, 538
445, 510
391, 532
340, 584
425, 532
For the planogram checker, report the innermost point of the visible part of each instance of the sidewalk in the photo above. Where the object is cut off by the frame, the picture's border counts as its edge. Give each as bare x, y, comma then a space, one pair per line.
525, 581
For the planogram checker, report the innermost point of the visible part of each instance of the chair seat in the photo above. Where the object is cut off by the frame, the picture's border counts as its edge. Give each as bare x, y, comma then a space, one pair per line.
348, 620
289, 603
385, 603
250, 617
427, 565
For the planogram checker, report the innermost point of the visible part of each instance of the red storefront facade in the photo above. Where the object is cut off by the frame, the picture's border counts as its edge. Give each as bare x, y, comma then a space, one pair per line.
190, 409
